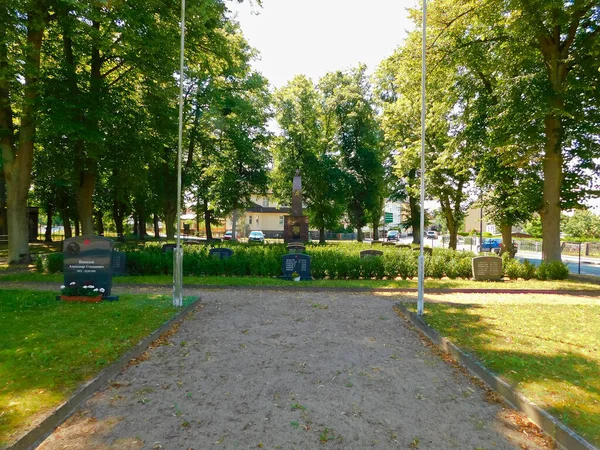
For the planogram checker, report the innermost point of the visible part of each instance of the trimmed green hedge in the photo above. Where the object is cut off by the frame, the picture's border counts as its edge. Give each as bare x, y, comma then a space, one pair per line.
337, 261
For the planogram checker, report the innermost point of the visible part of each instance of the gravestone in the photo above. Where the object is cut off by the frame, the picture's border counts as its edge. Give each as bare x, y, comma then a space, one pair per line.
376, 242
403, 246
388, 243
426, 250
169, 247
87, 261
295, 227
221, 253
487, 268
119, 262
298, 263
370, 253
296, 247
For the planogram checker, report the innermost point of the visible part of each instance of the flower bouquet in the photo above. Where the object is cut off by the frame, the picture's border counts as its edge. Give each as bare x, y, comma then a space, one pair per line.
85, 293
295, 276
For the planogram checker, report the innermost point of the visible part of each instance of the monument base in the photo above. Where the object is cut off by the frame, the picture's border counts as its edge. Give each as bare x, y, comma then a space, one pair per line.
295, 229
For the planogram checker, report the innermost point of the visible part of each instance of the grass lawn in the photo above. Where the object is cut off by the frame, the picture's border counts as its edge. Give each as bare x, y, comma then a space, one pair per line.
48, 347
574, 283
547, 346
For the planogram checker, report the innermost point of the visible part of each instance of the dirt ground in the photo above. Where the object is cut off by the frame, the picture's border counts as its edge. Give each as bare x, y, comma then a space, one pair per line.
291, 370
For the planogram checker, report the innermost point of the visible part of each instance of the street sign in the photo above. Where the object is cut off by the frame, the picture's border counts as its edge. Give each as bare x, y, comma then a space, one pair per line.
389, 217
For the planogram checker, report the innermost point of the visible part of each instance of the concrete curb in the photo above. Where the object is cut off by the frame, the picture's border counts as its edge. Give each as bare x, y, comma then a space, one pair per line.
32, 438
562, 434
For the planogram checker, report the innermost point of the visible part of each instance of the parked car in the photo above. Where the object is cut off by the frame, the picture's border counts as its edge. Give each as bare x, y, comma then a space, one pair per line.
494, 245
256, 236
393, 235
227, 236
431, 234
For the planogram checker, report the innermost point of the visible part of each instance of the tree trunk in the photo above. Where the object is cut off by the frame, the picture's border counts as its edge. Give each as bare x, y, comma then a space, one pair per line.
376, 230
207, 220
64, 215
77, 233
135, 225
3, 218
322, 235
49, 213
550, 212
452, 227
17, 162
359, 234
156, 228
507, 240
141, 215
415, 219
99, 223
234, 220
85, 204
170, 217
118, 214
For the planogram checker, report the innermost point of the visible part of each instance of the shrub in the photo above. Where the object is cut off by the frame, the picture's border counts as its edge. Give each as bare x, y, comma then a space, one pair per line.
54, 262
553, 270
39, 264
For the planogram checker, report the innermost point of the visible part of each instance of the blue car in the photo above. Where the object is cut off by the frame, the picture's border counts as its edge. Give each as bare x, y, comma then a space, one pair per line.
493, 245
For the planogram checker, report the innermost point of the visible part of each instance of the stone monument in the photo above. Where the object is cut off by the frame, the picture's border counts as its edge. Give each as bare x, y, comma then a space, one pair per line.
295, 227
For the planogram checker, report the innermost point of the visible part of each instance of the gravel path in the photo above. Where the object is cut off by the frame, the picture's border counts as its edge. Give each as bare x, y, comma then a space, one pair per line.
285, 370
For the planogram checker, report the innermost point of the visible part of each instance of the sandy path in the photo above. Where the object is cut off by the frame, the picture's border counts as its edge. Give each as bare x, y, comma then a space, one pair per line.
284, 370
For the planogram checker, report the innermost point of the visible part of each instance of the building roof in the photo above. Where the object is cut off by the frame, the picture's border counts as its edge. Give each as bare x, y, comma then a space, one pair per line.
255, 207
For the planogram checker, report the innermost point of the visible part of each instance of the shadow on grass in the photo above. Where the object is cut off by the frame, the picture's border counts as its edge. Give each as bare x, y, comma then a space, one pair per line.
554, 363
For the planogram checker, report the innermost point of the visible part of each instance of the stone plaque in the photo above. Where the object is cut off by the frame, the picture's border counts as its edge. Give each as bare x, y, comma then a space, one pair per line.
298, 263
388, 243
295, 229
221, 253
487, 268
296, 247
169, 247
403, 246
88, 261
426, 250
370, 253
119, 262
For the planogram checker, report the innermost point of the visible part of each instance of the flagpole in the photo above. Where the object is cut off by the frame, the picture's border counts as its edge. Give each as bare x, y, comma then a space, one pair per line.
178, 253
421, 272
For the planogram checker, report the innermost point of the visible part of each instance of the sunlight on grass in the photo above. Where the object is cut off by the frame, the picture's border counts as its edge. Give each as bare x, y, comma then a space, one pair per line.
549, 351
48, 347
576, 285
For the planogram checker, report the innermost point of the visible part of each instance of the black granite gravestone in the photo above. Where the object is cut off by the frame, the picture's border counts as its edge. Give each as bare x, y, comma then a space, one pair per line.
87, 261
296, 247
296, 263
221, 253
168, 247
119, 262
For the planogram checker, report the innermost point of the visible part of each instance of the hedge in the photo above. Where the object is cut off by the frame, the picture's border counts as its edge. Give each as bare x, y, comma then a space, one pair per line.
337, 261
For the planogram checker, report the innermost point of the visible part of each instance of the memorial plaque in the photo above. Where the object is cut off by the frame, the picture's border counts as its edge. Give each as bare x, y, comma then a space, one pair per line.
169, 247
296, 247
298, 263
487, 268
403, 246
370, 253
87, 261
221, 253
119, 263
426, 250
388, 243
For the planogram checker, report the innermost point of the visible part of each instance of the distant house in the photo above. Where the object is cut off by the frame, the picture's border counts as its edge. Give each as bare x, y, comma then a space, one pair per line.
264, 214
473, 220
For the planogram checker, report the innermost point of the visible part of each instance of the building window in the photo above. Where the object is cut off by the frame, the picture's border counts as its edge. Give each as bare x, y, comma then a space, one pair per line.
266, 202
280, 220
256, 220
249, 220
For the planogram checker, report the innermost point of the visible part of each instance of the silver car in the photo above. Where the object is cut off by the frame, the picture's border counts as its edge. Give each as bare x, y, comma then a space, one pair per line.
256, 236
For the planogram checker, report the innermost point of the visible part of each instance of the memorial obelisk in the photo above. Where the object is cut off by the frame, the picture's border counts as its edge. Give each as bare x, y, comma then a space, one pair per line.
296, 225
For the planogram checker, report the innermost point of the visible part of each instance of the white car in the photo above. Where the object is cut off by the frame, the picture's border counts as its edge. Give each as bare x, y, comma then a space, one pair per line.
256, 236
431, 235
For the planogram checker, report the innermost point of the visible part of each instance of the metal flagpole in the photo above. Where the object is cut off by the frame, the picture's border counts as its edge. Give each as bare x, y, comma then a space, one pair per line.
420, 300
178, 253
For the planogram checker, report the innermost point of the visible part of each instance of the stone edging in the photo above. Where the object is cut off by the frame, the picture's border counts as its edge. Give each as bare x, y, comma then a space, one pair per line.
562, 434
34, 437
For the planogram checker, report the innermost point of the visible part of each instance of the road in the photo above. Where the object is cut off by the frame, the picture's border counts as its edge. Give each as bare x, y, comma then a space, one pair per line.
589, 266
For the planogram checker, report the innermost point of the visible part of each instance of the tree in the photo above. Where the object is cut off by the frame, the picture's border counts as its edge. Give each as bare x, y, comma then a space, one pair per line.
22, 26
583, 224
357, 139
303, 146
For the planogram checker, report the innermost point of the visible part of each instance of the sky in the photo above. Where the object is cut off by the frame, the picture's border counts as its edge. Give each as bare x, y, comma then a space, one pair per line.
313, 37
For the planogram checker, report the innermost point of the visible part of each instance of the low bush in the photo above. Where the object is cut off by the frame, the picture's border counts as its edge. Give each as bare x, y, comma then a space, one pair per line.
337, 261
